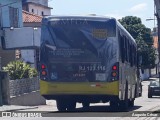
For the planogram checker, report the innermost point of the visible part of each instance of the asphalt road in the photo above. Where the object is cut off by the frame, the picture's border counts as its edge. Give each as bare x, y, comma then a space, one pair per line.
144, 107
143, 104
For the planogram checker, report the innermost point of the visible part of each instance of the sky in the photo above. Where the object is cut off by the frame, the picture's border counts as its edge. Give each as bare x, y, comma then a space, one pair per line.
113, 8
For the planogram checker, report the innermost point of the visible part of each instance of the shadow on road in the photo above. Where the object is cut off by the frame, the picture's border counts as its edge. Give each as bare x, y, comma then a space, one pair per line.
92, 111
101, 109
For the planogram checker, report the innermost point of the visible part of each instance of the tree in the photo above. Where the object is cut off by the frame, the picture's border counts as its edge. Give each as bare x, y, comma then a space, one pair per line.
143, 37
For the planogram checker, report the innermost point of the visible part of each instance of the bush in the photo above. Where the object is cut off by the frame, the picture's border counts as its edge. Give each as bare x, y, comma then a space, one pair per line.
33, 72
19, 70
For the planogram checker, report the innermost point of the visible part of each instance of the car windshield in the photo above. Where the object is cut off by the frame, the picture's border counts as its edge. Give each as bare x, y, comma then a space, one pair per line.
154, 83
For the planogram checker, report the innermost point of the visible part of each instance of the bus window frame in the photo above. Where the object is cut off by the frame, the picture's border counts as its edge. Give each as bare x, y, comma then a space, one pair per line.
122, 47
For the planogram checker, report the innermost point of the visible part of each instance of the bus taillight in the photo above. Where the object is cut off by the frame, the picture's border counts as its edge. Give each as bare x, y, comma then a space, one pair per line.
114, 74
115, 71
44, 73
43, 70
114, 67
43, 66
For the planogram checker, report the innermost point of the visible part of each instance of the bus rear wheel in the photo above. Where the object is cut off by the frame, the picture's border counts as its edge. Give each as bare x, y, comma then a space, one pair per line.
131, 103
85, 104
71, 106
66, 105
113, 104
61, 105
123, 104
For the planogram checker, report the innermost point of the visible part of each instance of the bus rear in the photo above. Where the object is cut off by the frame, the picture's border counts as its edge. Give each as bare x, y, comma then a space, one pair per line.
79, 60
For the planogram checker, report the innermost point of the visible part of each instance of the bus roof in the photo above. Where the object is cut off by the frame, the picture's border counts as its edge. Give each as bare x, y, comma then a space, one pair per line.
125, 31
89, 17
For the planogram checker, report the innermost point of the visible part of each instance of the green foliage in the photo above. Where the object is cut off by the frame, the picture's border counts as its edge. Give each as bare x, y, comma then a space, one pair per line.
143, 37
33, 72
18, 70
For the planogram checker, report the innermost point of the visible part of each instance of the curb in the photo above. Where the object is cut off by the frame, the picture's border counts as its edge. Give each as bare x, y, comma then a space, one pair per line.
16, 108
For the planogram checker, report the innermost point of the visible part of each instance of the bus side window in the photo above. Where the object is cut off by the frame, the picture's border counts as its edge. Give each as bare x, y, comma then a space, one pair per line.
126, 49
122, 48
129, 51
131, 55
135, 56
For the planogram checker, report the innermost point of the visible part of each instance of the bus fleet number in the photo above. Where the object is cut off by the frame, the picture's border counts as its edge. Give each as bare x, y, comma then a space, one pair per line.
92, 68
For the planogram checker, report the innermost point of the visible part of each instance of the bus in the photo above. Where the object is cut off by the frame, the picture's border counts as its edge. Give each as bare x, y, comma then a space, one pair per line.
88, 59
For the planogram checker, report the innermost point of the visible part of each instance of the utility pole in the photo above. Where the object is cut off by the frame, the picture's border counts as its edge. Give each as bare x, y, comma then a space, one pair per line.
157, 14
158, 21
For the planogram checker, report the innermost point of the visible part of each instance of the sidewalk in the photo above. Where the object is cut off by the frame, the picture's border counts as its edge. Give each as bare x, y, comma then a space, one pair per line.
16, 107
50, 104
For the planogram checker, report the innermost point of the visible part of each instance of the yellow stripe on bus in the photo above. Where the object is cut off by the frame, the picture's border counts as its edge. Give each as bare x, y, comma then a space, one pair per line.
54, 88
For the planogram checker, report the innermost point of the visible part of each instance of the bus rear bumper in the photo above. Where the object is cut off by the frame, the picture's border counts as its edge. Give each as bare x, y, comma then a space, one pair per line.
81, 88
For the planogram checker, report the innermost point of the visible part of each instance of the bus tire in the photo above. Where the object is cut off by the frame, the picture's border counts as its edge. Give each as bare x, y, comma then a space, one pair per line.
71, 106
85, 104
61, 105
113, 104
131, 103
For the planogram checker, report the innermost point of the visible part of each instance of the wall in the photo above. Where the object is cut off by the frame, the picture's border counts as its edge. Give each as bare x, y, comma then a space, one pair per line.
6, 56
155, 41
42, 2
35, 24
30, 37
28, 56
21, 92
39, 9
5, 11
25, 92
19, 87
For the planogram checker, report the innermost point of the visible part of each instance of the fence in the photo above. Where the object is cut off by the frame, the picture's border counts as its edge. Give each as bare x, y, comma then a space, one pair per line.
20, 92
22, 86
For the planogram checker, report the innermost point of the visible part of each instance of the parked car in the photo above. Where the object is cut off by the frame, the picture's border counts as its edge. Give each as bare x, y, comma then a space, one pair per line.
154, 89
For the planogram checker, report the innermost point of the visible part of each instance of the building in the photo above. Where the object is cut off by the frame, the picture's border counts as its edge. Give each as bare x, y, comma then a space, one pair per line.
11, 13
38, 7
31, 20
33, 12
31, 56
155, 37
155, 45
10, 16
157, 14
